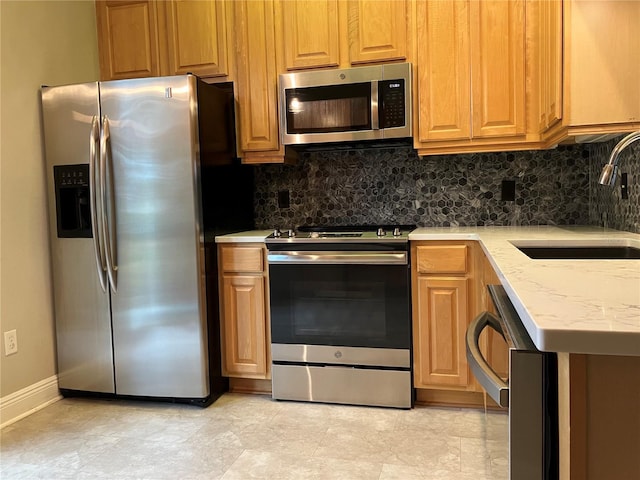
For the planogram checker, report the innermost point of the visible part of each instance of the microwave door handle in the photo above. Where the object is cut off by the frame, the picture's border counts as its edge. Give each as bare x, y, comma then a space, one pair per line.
375, 121
497, 388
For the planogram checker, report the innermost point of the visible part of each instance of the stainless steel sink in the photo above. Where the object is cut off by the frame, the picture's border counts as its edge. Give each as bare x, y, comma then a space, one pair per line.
622, 249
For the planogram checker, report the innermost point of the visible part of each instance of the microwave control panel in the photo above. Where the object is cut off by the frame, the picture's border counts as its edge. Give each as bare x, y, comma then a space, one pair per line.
391, 100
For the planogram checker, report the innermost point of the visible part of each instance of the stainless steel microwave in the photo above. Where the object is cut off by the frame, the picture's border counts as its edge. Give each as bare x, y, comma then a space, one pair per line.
354, 104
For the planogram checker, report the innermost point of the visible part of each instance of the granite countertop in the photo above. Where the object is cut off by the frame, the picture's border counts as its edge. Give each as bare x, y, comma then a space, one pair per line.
578, 306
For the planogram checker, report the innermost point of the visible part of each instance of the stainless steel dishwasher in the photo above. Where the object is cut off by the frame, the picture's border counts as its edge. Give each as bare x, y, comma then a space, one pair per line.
530, 393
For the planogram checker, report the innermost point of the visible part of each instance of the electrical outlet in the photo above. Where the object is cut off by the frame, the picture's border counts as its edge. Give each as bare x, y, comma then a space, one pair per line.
508, 193
624, 186
10, 342
283, 199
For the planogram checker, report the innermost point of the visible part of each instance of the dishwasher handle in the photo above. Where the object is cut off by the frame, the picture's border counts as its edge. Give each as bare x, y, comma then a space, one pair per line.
497, 388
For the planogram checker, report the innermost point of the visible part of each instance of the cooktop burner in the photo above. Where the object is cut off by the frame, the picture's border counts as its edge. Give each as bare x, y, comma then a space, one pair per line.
342, 233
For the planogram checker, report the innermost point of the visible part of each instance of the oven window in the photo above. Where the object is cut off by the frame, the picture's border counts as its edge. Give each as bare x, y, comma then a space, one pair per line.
324, 109
340, 305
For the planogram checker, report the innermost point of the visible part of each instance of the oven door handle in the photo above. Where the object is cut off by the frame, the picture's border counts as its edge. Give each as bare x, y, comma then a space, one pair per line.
497, 388
338, 258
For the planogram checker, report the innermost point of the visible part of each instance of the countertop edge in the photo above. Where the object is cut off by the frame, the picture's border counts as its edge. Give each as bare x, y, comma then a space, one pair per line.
250, 236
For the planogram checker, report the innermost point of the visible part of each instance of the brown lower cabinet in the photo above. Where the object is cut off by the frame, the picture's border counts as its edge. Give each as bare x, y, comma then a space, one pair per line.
449, 281
244, 311
599, 416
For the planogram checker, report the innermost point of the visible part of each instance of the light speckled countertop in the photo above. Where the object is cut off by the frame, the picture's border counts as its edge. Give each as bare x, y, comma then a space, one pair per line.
244, 237
580, 306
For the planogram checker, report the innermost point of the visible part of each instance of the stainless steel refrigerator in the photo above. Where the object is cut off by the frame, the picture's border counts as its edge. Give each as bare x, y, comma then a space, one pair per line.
141, 176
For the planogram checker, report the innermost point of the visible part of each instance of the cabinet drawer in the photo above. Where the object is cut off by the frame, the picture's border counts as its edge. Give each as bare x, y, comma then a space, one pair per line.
242, 259
442, 259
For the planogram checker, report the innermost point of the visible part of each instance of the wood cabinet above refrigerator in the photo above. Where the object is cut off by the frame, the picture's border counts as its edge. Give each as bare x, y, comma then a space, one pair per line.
127, 39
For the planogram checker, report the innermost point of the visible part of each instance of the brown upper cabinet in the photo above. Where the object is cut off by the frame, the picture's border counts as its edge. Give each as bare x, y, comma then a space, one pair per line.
337, 33
378, 30
547, 38
150, 38
197, 37
310, 33
470, 74
497, 68
256, 83
489, 75
127, 39
601, 66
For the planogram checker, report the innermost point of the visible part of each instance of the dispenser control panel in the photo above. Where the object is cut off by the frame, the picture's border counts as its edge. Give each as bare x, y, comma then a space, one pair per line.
73, 210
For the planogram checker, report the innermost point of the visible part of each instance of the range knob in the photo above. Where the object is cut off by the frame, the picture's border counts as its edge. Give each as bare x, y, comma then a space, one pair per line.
291, 233
276, 233
397, 232
381, 232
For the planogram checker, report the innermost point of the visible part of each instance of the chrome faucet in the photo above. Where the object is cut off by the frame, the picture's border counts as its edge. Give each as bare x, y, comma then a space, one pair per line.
609, 171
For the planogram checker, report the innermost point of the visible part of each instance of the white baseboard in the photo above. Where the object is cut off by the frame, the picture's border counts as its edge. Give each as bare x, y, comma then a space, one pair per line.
30, 399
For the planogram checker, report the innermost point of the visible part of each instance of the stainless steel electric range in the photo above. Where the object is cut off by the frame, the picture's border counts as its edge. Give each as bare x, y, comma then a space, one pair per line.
341, 315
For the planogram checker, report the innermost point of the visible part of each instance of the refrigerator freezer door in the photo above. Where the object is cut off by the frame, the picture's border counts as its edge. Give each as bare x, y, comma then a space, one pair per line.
83, 323
158, 310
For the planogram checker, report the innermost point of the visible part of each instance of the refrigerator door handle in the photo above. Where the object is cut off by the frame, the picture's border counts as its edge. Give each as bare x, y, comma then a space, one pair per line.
108, 206
95, 228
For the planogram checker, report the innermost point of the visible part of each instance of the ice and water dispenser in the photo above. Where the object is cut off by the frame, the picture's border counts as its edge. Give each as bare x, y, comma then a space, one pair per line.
73, 210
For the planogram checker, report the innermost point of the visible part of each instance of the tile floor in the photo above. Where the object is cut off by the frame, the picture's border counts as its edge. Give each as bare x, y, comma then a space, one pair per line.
252, 437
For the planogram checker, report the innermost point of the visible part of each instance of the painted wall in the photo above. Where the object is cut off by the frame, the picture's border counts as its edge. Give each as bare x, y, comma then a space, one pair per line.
41, 42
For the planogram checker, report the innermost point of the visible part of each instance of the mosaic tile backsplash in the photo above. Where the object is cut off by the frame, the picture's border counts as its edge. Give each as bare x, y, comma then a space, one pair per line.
394, 185
606, 205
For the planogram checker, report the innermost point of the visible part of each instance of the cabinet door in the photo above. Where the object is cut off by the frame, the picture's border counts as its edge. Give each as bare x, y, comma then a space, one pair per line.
257, 79
377, 30
244, 326
196, 37
602, 68
497, 67
439, 351
443, 75
549, 64
127, 39
310, 33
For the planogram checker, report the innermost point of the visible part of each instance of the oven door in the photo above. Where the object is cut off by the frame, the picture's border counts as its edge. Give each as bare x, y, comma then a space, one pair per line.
340, 298
531, 392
